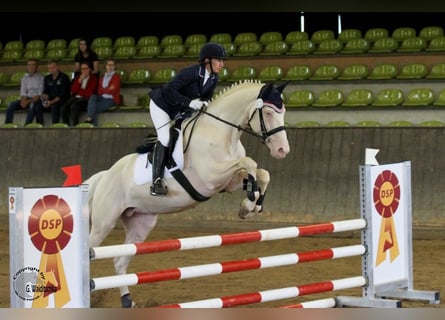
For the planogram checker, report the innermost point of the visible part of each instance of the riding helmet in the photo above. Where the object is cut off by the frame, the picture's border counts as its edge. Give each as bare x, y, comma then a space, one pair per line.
212, 50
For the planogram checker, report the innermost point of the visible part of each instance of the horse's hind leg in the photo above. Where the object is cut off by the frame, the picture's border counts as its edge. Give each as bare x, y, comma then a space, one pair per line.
137, 227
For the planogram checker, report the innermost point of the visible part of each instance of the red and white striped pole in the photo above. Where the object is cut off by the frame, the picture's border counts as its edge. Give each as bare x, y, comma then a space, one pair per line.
224, 267
272, 295
224, 239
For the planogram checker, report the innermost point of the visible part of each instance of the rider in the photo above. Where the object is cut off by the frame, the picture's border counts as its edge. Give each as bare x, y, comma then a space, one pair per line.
192, 88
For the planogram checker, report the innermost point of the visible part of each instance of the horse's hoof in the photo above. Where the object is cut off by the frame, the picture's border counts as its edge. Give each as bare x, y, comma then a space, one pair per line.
126, 301
246, 214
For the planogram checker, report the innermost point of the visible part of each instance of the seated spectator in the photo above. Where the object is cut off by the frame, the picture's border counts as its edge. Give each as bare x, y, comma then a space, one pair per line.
31, 87
108, 93
88, 55
56, 91
84, 85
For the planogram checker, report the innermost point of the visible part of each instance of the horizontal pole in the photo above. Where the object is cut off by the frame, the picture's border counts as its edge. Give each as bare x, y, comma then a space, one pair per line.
224, 267
224, 239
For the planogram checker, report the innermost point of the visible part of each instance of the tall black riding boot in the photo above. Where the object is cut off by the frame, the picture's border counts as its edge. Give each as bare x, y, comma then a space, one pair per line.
158, 188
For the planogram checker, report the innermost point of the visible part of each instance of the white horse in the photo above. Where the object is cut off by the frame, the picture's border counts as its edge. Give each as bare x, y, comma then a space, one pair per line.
214, 160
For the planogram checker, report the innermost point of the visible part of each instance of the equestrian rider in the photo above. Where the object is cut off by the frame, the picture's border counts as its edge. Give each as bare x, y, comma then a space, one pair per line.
192, 88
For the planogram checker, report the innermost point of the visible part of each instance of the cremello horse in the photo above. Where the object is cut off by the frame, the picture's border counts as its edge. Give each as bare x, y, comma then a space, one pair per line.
214, 160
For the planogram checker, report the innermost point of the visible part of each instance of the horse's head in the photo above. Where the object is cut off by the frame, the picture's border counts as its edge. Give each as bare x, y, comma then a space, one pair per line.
271, 119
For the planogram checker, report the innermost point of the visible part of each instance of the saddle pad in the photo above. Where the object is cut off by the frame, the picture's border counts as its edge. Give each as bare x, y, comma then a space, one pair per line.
142, 172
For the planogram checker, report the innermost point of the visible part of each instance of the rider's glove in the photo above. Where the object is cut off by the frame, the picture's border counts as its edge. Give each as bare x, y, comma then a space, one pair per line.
196, 104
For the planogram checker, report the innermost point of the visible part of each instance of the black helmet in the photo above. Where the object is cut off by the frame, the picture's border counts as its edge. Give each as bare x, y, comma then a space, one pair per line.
212, 50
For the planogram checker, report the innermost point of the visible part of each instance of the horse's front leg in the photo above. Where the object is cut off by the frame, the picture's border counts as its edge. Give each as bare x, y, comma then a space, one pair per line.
256, 191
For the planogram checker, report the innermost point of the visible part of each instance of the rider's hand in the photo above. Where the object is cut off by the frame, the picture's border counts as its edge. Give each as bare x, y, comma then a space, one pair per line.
196, 104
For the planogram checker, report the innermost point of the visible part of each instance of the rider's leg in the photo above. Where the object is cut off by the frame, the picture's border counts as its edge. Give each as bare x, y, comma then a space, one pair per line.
161, 122
158, 187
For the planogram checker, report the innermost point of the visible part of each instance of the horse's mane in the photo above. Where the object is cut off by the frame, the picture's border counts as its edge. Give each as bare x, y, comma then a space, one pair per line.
234, 87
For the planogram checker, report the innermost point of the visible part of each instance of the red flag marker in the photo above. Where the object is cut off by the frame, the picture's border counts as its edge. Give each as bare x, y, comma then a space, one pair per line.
73, 175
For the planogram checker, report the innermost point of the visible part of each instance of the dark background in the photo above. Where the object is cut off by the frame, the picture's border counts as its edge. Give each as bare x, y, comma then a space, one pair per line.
70, 19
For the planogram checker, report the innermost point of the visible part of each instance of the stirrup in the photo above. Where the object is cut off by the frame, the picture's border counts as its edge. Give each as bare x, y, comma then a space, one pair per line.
158, 188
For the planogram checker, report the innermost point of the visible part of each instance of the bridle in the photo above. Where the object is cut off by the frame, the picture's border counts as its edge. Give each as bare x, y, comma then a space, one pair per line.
260, 105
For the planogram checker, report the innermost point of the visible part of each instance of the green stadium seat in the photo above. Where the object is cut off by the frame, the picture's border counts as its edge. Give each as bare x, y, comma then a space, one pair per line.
221, 38
307, 124
368, 123
71, 53
15, 79
104, 52
415, 44
436, 45
124, 41
440, 99
245, 49
101, 42
300, 98
431, 123
329, 98
419, 97
124, 52
269, 37
388, 97
172, 51
223, 74
229, 47
193, 51
354, 72
242, 73
56, 44
298, 72
355, 46
274, 48
349, 34
359, 98
270, 73
431, 32
373, 34
59, 125
35, 44
171, 39
400, 123
244, 37
14, 45
384, 45
195, 39
147, 41
11, 55
163, 75
383, 71
34, 125
301, 47
338, 123
55, 54
294, 36
437, 71
73, 44
325, 72
319, 36
402, 33
330, 46
3, 77
148, 52
413, 71
137, 76
37, 54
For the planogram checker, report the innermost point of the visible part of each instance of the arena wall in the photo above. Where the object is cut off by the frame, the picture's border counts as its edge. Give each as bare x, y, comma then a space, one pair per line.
318, 181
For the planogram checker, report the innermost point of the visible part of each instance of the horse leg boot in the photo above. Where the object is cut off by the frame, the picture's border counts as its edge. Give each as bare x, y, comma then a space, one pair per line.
158, 188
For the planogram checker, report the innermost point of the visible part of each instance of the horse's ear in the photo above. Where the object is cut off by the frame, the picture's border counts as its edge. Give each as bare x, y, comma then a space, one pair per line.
282, 86
266, 90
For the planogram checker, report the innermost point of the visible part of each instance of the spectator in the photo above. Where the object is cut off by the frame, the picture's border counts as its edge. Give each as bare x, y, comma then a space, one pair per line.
108, 93
31, 87
56, 91
83, 87
88, 55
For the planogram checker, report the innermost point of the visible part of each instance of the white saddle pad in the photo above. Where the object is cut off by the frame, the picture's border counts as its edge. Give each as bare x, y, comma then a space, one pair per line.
142, 168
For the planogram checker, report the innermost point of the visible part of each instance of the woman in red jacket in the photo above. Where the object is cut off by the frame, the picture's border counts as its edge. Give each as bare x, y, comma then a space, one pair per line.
108, 93
83, 87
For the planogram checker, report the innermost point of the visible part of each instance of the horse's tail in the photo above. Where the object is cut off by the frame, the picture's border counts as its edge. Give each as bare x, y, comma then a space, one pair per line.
92, 183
